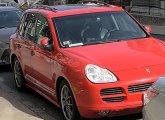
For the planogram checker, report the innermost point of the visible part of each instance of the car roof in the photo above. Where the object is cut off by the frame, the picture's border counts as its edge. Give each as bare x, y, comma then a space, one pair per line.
73, 7
7, 8
65, 10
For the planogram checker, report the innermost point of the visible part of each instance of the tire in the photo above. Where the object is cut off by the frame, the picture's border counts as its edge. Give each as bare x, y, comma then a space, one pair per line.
5, 57
67, 102
18, 75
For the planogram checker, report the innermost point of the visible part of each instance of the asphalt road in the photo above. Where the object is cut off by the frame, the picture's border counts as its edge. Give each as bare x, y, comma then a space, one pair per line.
33, 104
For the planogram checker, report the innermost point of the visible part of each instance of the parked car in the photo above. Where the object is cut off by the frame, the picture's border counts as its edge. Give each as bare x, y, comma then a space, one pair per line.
3, 4
154, 101
9, 20
92, 60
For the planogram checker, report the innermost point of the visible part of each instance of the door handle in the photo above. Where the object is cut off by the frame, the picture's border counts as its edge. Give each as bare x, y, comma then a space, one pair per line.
18, 46
32, 53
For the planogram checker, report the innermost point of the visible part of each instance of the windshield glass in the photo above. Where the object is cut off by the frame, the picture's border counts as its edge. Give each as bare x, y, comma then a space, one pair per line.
9, 18
96, 28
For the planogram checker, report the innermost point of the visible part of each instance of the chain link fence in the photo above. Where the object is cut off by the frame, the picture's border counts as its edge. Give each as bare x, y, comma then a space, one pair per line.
148, 7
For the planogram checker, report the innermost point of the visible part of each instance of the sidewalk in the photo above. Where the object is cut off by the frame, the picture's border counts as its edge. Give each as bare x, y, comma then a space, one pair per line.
9, 112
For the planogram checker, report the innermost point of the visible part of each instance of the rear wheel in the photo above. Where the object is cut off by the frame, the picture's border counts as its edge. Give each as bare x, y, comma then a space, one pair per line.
5, 57
18, 75
67, 101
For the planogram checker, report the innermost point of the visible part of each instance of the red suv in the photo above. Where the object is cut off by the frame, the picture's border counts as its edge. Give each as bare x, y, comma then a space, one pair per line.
92, 60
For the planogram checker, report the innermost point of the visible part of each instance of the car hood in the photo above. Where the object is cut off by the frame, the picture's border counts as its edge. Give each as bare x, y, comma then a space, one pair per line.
122, 55
5, 34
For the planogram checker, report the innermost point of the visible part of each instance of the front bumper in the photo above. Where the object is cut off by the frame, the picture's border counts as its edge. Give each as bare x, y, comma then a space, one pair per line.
117, 110
131, 104
90, 99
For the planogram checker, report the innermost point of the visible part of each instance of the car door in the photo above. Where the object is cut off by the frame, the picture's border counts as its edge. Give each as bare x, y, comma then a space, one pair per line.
25, 38
41, 58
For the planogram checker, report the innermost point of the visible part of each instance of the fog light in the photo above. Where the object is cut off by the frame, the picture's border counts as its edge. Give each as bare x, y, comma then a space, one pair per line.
103, 113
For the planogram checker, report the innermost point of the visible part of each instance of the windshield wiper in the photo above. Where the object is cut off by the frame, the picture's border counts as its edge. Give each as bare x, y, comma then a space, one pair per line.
101, 42
97, 42
7, 27
113, 40
93, 43
2, 27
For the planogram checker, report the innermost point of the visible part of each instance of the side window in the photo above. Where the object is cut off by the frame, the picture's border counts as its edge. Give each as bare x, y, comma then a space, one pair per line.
29, 27
42, 30
22, 25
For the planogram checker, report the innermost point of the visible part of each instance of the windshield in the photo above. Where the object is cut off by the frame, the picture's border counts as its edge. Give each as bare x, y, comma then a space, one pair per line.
9, 18
96, 28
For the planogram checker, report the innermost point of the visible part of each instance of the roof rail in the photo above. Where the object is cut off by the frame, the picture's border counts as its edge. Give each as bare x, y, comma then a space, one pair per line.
46, 7
93, 2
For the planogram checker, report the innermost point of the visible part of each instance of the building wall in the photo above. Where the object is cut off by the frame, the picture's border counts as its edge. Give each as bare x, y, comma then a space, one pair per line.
22, 1
4, 1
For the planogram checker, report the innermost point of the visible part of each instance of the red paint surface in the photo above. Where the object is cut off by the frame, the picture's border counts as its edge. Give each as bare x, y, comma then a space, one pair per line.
128, 60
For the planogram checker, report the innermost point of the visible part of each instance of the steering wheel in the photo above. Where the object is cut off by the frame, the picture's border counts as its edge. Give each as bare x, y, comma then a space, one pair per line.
108, 34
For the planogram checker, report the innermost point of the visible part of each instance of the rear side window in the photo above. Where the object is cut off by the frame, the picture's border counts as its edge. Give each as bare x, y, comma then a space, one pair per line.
27, 26
22, 26
30, 24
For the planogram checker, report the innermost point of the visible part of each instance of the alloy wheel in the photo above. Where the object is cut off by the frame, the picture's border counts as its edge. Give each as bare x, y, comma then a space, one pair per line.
67, 102
17, 74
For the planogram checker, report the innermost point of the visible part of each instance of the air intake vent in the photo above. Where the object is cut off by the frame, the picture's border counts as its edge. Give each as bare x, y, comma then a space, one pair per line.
111, 91
113, 99
139, 88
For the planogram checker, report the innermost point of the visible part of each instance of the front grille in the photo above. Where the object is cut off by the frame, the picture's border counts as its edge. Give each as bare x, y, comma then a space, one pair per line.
113, 99
111, 91
139, 88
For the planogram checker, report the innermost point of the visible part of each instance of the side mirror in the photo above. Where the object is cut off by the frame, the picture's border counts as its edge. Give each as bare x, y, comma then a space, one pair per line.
148, 28
45, 44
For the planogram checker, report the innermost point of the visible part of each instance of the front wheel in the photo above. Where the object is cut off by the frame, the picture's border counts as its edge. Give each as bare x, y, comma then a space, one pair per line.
18, 75
67, 101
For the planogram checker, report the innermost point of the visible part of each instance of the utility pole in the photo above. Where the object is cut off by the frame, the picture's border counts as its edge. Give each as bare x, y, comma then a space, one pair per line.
149, 6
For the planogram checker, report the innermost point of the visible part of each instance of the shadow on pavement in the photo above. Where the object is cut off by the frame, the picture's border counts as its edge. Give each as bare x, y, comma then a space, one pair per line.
28, 104
5, 68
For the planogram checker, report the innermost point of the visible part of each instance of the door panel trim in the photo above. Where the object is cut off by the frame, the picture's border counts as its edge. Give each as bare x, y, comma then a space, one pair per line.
40, 85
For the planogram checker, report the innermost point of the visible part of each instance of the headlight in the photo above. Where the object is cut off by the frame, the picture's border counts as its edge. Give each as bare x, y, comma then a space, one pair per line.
97, 74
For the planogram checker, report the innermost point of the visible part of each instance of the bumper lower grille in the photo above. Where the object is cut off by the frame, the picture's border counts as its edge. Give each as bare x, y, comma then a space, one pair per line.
111, 91
139, 88
113, 99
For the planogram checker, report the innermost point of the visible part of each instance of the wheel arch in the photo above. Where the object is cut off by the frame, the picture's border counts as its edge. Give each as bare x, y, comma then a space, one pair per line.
62, 80
58, 82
